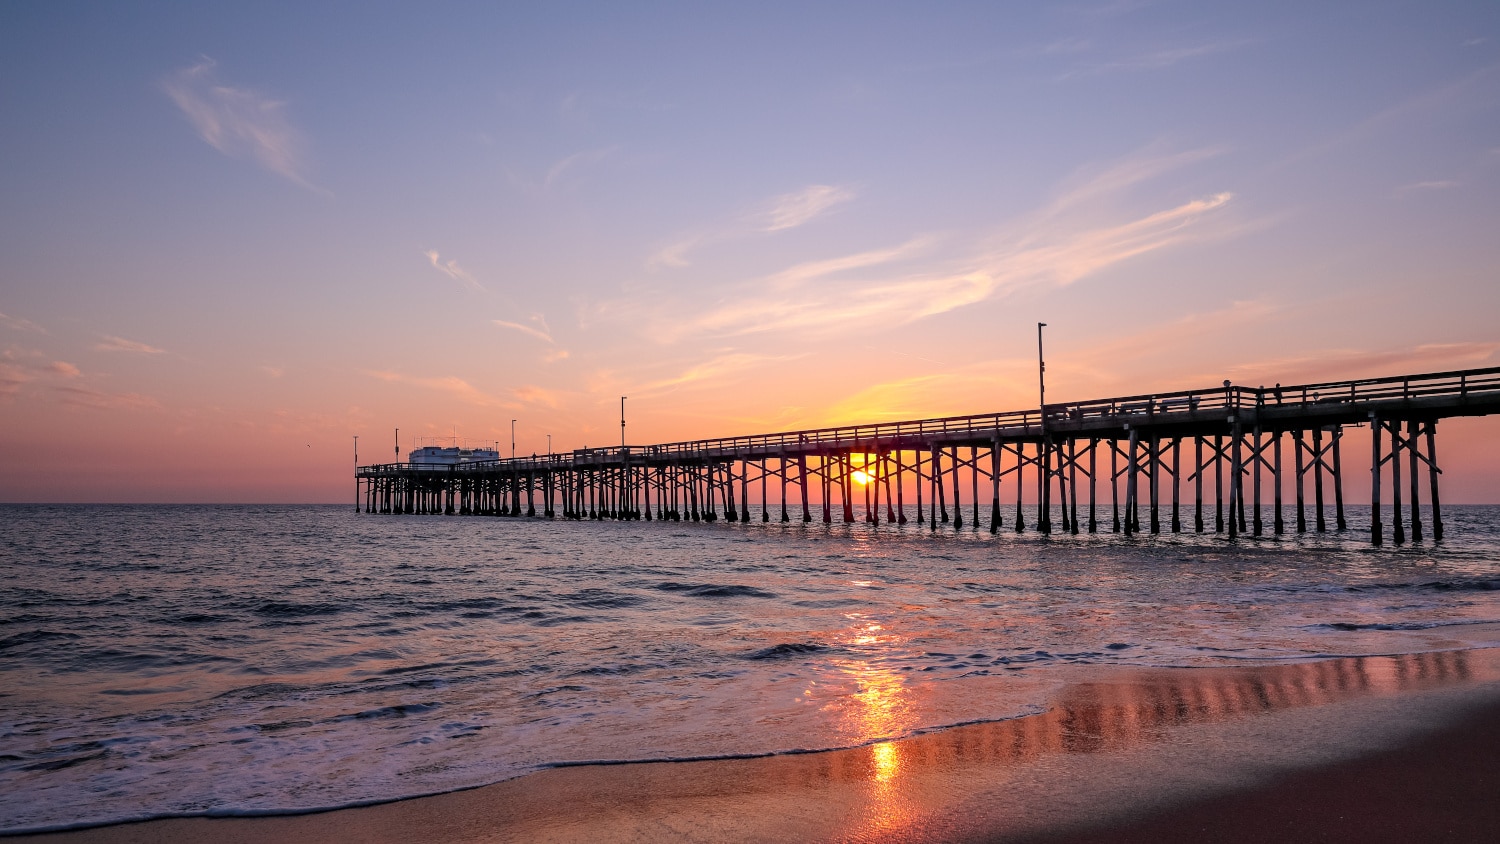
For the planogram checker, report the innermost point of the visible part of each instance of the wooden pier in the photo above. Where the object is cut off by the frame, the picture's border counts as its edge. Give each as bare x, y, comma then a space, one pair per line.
1233, 441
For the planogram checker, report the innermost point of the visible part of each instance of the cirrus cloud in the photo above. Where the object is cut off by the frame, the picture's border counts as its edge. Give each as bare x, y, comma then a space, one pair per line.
238, 122
120, 344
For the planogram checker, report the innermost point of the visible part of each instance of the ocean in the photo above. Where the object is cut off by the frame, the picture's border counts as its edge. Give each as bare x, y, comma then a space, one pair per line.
164, 661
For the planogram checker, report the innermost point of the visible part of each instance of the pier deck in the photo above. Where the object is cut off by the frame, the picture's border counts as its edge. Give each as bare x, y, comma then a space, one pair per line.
1237, 433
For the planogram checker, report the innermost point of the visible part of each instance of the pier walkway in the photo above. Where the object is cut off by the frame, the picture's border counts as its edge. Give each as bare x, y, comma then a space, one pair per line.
1235, 436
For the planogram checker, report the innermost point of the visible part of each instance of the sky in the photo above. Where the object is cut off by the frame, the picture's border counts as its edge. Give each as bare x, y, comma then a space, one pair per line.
233, 237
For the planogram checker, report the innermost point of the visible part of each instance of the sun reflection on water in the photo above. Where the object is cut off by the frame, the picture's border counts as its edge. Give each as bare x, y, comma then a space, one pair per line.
877, 707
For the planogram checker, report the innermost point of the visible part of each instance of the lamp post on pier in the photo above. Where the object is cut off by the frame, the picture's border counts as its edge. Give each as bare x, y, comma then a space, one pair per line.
622, 421
1041, 375
356, 473
513, 439
1044, 450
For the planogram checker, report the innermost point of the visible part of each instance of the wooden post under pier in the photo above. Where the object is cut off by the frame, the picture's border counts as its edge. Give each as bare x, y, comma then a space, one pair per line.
1432, 475
1416, 485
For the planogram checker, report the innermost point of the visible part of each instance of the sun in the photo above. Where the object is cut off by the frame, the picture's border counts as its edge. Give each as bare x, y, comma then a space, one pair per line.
860, 477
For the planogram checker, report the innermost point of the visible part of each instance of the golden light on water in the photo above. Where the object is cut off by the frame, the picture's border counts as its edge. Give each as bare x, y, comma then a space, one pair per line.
876, 705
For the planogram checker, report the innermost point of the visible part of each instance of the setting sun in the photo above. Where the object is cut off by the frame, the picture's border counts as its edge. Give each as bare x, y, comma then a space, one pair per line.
861, 477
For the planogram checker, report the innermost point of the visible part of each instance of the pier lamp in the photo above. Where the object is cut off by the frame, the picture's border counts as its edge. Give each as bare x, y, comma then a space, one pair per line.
1041, 374
622, 421
513, 439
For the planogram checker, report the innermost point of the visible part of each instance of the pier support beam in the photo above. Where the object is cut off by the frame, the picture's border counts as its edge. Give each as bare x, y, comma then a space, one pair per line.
1198, 485
1153, 459
1432, 474
1301, 499
1044, 487
995, 484
1376, 532
1093, 484
1413, 445
1236, 518
1338, 481
1317, 436
1020, 485
958, 507
1131, 525
1398, 527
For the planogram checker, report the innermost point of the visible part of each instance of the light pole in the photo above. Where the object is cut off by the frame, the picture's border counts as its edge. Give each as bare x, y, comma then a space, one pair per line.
513, 439
622, 421
356, 473
1041, 374
1044, 504
398, 445
549, 445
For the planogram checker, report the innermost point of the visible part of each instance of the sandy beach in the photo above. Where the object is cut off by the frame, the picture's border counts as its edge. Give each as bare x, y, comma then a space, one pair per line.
1363, 749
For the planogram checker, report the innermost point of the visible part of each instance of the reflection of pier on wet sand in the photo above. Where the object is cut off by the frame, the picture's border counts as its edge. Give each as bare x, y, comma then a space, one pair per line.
1347, 749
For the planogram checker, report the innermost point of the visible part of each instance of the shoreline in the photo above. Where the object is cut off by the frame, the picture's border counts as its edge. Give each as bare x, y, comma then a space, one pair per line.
1126, 751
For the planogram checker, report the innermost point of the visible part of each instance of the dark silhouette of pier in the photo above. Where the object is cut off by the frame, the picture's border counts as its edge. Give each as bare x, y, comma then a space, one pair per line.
1236, 441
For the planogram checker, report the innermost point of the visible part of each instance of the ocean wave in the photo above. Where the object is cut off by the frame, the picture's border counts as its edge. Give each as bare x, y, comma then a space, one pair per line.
1349, 626
32, 637
787, 649
291, 609
715, 590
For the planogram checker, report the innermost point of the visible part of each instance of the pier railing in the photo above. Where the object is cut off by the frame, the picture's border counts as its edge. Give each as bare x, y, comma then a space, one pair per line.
1239, 430
1453, 389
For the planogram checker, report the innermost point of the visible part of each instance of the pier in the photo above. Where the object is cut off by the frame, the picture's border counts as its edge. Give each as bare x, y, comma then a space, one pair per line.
1237, 445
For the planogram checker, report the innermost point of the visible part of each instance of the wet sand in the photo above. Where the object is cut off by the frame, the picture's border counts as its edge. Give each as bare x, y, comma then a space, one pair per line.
1369, 749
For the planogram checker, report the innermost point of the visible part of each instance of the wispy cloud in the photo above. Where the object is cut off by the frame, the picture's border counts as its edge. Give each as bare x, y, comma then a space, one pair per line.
780, 213
451, 269
19, 366
12, 379
1426, 107
537, 327
1042, 253
800, 274
238, 122
18, 324
120, 344
1096, 221
1155, 59
1340, 364
576, 161
272, 371
795, 209
674, 255
532, 394
453, 385
99, 400
1094, 185
1442, 184
717, 367
1071, 45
